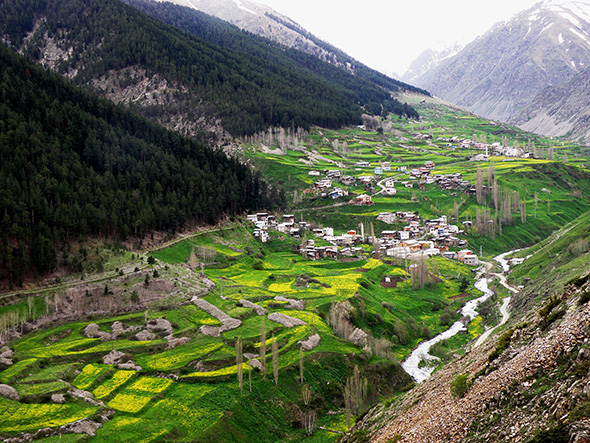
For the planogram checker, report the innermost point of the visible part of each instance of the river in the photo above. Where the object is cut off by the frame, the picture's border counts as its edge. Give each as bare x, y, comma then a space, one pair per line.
412, 364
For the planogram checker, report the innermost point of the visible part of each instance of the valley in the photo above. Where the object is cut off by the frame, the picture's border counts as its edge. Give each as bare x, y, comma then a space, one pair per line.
210, 236
316, 319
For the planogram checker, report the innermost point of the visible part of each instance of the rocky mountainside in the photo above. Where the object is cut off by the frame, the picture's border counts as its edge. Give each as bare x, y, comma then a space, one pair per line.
560, 110
428, 60
537, 382
224, 80
499, 73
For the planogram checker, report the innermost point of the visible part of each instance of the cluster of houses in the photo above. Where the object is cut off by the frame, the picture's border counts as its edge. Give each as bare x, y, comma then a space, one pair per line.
497, 149
432, 237
416, 239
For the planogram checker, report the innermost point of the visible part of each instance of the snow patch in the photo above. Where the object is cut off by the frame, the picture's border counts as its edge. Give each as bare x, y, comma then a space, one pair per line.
560, 38
580, 35
571, 19
545, 28
243, 8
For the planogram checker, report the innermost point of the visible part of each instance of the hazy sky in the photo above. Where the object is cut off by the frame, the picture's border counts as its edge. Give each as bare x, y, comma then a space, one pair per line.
389, 34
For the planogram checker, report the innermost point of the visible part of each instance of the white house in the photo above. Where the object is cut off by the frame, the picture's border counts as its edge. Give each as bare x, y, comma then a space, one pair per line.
404, 235
471, 260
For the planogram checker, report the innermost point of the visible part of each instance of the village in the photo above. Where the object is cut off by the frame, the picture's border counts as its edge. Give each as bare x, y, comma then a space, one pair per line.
419, 177
415, 240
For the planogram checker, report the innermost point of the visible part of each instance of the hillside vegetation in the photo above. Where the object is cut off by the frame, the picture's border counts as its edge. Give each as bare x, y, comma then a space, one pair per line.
176, 382
533, 196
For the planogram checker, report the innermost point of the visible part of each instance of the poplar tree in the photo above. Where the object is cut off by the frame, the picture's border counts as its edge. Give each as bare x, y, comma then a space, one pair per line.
239, 360
263, 350
275, 360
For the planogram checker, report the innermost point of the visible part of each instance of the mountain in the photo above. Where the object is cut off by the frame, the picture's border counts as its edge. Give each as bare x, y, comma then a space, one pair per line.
185, 82
560, 110
264, 21
75, 165
429, 60
261, 20
499, 73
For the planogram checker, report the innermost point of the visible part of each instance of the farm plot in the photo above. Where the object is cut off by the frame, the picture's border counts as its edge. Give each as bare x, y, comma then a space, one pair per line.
19, 417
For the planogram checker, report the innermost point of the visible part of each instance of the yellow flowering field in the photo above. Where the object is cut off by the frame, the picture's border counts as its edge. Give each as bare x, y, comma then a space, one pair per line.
372, 263
129, 402
177, 357
61, 348
17, 417
476, 328
154, 385
89, 374
229, 370
282, 287
8, 374
118, 379
341, 282
192, 418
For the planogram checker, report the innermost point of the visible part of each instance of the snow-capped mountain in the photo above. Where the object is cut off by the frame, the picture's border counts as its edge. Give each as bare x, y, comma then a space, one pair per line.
429, 60
499, 73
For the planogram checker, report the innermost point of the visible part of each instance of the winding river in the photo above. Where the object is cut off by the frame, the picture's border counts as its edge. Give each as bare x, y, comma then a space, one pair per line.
412, 364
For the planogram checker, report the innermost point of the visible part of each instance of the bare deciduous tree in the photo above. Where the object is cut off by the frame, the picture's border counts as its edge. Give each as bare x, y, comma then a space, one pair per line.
239, 361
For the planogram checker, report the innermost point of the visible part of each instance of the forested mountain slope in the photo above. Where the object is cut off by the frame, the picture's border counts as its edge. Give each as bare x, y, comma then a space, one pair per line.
186, 82
261, 20
76, 165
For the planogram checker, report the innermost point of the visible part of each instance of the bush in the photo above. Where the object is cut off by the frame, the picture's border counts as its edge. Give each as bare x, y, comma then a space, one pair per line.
580, 411
558, 434
258, 264
502, 345
460, 385
446, 319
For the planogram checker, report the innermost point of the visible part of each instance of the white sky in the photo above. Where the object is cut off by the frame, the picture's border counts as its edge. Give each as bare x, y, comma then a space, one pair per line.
389, 34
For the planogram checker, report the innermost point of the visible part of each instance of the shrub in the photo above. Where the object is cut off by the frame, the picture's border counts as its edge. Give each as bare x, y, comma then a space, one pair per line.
584, 298
580, 411
258, 264
502, 345
558, 434
460, 385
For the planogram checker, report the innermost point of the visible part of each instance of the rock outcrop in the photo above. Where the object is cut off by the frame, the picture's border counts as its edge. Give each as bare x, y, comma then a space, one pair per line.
257, 308
286, 320
227, 323
9, 392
